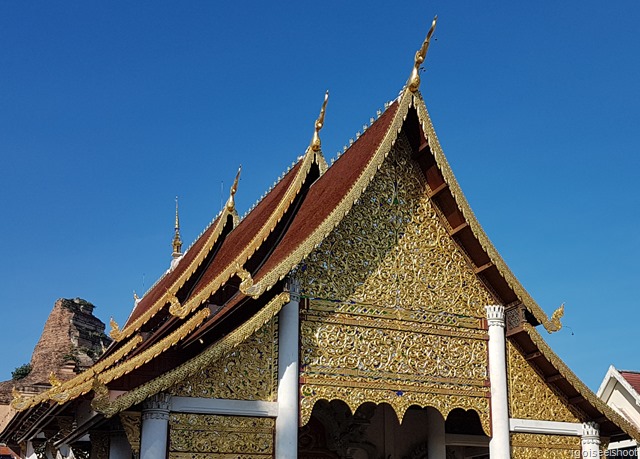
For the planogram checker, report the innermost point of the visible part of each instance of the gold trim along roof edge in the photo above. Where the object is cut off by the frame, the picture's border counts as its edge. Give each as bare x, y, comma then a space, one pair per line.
22, 403
230, 270
360, 185
210, 355
551, 325
587, 393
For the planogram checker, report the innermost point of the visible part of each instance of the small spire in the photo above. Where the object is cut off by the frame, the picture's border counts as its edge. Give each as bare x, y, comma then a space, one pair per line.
231, 204
315, 141
177, 241
421, 54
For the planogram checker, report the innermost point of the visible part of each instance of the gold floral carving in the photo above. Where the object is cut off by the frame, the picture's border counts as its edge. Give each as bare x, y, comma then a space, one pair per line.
198, 435
400, 355
393, 250
534, 446
130, 421
529, 396
399, 400
247, 372
268, 280
210, 355
395, 308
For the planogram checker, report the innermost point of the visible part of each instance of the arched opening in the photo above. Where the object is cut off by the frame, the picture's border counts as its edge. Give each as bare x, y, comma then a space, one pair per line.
375, 432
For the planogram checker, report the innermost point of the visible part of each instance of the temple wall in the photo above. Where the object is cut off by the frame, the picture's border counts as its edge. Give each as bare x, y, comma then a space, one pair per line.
394, 308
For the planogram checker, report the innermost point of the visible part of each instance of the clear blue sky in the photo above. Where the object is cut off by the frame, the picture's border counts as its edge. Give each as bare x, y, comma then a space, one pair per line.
108, 110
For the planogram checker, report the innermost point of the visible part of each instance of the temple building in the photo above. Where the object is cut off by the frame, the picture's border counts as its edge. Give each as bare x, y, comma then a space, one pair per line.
359, 310
621, 391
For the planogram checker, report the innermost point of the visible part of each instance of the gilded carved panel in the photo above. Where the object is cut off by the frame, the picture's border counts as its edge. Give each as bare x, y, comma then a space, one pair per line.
533, 446
210, 436
392, 249
529, 396
395, 309
248, 372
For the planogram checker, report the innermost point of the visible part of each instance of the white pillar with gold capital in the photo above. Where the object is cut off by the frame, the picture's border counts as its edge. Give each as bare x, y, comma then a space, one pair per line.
288, 377
499, 445
155, 427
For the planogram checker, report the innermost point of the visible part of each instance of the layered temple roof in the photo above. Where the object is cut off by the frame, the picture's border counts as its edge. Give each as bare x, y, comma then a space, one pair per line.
233, 278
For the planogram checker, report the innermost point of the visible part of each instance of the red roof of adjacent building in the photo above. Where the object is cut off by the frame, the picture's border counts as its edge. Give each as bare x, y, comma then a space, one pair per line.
633, 378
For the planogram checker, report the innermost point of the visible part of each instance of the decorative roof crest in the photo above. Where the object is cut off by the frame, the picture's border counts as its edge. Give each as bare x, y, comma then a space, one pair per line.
115, 332
414, 80
53, 380
315, 141
231, 204
177, 241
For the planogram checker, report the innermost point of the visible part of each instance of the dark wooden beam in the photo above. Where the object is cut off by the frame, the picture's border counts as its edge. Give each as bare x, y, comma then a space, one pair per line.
484, 267
459, 228
533, 355
553, 378
576, 399
438, 189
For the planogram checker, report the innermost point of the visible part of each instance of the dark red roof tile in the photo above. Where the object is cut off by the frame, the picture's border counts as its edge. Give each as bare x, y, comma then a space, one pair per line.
633, 378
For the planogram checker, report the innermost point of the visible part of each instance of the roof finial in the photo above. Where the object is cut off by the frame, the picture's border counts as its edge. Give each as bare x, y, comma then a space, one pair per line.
421, 54
315, 141
177, 241
231, 205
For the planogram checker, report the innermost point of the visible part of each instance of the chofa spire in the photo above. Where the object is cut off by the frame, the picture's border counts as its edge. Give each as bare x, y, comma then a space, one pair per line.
414, 80
315, 141
231, 204
177, 241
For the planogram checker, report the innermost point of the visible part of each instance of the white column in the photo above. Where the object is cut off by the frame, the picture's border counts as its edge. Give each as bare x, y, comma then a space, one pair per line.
119, 447
590, 439
155, 427
499, 444
436, 442
288, 377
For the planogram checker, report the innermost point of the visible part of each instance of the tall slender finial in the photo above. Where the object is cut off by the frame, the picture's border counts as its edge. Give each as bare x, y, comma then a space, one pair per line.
421, 54
177, 241
315, 141
231, 204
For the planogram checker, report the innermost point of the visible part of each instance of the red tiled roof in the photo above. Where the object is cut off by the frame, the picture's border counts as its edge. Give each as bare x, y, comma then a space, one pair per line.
165, 282
633, 378
246, 230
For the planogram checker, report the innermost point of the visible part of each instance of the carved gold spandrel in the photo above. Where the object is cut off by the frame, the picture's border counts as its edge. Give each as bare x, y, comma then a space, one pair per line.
393, 250
221, 435
535, 446
247, 372
529, 396
130, 421
207, 357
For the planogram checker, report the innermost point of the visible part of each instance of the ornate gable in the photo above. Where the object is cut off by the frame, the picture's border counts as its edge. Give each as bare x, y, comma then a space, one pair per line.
395, 309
